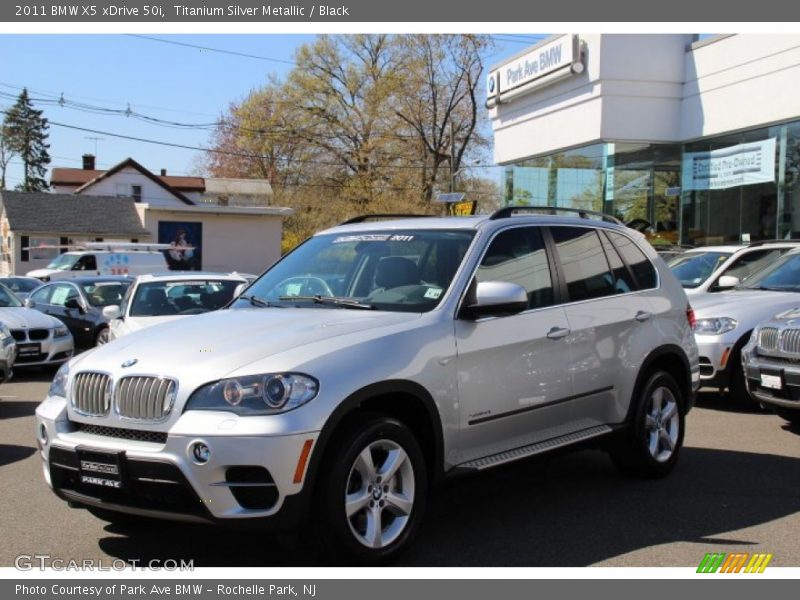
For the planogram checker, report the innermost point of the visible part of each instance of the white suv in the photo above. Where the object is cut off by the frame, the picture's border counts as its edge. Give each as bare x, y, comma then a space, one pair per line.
373, 360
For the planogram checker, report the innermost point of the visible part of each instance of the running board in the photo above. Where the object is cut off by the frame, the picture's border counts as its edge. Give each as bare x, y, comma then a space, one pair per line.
538, 448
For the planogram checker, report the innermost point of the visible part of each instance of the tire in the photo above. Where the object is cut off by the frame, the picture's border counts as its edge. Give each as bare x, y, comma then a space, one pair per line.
652, 441
790, 414
346, 527
102, 337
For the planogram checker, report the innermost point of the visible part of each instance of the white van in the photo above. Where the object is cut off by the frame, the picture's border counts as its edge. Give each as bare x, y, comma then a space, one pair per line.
105, 259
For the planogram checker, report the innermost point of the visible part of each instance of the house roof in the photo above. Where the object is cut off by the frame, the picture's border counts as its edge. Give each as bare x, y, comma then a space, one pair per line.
78, 177
129, 162
40, 212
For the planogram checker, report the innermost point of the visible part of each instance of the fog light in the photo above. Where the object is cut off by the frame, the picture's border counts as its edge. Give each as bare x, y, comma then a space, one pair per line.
43, 439
201, 453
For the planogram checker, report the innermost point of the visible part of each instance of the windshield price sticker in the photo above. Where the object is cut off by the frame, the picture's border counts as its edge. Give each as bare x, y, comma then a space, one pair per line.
373, 237
433, 293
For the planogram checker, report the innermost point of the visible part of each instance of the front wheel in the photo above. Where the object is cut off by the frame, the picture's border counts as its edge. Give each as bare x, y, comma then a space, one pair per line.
103, 337
373, 492
650, 446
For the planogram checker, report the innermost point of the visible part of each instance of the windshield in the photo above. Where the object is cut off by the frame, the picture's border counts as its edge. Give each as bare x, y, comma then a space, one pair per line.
8, 299
693, 268
105, 293
408, 270
21, 284
164, 298
783, 276
63, 262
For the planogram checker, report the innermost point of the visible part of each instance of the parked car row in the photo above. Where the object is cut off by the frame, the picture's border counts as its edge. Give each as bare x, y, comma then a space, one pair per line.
746, 301
57, 317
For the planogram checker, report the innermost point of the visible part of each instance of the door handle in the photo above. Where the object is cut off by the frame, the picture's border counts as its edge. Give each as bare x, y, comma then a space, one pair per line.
556, 333
643, 316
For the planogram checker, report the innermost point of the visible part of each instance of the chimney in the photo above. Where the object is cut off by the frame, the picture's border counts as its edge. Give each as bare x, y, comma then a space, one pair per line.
88, 162
163, 172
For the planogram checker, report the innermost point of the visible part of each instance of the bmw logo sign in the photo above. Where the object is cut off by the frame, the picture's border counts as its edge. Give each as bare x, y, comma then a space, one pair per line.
130, 362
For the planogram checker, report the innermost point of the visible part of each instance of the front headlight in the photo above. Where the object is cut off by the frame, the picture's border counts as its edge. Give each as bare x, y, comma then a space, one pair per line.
60, 331
5, 332
715, 325
59, 385
266, 394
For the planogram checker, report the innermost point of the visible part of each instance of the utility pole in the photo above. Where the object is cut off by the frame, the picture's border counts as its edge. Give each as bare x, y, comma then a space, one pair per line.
452, 158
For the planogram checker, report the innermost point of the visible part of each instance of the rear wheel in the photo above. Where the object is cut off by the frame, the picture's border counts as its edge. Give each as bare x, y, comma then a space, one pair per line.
374, 492
652, 442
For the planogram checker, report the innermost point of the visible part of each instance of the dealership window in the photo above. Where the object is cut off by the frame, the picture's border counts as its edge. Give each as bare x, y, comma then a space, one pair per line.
732, 190
632, 181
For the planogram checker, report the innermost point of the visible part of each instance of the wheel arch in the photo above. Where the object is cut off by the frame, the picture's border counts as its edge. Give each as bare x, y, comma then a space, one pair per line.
405, 400
672, 359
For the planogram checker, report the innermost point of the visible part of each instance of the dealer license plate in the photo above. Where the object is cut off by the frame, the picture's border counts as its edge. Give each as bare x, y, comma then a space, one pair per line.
773, 382
99, 468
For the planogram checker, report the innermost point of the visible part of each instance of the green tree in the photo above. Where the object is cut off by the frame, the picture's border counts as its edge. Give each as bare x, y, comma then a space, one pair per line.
6, 154
25, 131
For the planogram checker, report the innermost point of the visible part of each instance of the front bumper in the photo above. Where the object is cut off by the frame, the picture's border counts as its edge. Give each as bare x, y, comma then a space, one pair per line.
54, 351
246, 477
788, 371
715, 353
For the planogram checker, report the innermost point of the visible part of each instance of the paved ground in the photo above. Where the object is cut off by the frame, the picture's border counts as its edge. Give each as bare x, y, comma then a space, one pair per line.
735, 489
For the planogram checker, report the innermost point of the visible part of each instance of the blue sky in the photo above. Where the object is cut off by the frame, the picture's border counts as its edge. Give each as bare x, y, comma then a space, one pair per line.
167, 81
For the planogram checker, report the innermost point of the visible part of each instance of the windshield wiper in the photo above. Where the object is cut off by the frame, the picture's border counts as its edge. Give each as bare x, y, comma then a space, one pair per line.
334, 300
256, 301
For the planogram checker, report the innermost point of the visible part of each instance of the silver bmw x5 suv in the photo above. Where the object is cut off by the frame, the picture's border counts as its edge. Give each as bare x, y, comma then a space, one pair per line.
372, 361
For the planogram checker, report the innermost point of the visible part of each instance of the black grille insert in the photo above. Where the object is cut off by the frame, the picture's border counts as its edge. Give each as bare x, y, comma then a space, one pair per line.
252, 486
19, 335
156, 437
38, 334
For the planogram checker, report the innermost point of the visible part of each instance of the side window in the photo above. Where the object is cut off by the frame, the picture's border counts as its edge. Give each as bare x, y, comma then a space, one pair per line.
584, 263
63, 292
642, 268
519, 256
750, 262
623, 281
87, 262
42, 295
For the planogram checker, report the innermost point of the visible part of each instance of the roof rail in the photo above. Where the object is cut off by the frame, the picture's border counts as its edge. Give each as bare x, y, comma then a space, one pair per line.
509, 211
765, 242
362, 218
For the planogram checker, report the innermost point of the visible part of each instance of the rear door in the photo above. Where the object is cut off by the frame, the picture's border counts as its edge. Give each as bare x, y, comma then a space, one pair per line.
611, 320
73, 318
513, 371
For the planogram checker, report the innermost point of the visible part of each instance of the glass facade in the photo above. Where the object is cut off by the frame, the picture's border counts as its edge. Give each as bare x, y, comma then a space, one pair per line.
725, 190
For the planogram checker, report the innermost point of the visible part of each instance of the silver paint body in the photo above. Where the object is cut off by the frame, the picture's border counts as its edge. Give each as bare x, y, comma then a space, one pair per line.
470, 368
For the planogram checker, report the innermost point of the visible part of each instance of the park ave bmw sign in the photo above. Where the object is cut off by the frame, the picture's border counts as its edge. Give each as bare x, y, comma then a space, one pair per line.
557, 55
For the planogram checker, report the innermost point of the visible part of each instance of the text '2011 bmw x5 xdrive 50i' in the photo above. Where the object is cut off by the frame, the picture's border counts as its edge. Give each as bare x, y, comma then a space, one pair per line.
371, 361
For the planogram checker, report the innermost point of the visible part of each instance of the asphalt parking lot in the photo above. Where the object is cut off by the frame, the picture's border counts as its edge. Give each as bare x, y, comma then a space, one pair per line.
735, 489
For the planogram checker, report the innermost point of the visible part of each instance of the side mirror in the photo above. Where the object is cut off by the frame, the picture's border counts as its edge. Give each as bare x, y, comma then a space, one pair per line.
494, 298
111, 312
75, 304
239, 289
727, 282
28, 303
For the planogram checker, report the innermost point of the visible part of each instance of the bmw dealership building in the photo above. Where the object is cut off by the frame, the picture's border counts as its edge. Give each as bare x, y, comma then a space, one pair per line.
696, 138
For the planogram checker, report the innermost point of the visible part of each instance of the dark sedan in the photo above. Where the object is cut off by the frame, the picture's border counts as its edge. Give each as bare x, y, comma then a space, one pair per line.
79, 304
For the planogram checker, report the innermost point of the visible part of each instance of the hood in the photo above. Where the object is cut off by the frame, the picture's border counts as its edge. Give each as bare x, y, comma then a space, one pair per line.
39, 273
27, 318
132, 324
747, 306
217, 343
